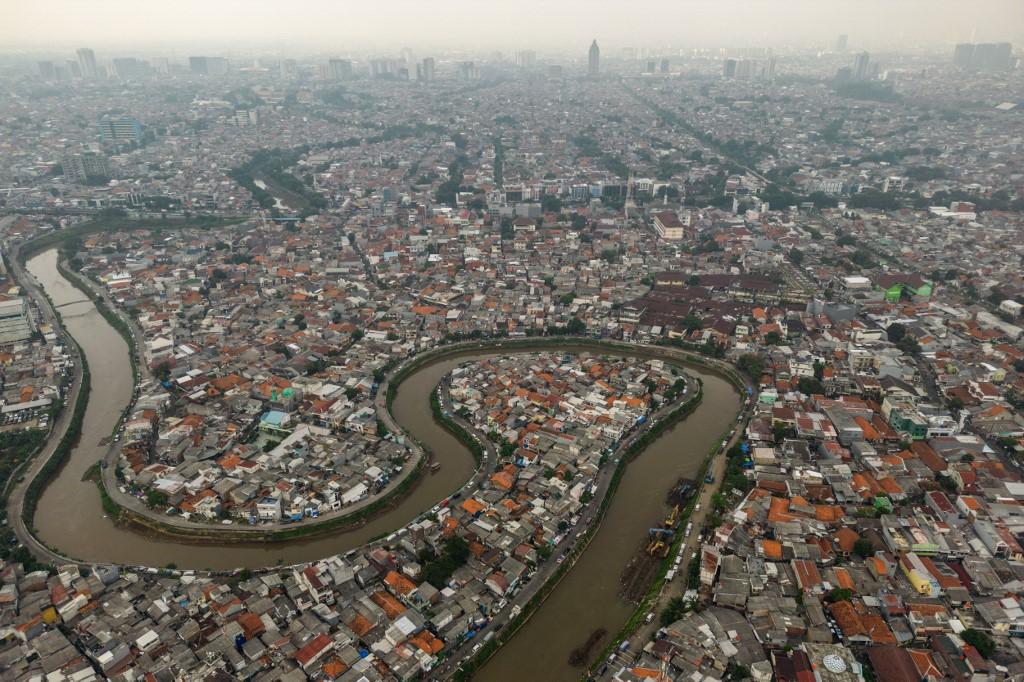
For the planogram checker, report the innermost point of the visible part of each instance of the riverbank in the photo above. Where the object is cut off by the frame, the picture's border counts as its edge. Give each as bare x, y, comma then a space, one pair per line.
468, 668
23, 497
129, 511
402, 371
419, 376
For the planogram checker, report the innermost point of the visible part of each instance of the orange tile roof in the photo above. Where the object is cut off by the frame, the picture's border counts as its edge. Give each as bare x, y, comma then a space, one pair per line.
828, 513
427, 642
399, 583
360, 625
877, 629
778, 511
890, 486
772, 549
806, 573
503, 480
846, 538
392, 607
845, 580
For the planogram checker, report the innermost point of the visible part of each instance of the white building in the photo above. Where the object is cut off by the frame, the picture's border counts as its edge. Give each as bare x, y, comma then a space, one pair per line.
14, 322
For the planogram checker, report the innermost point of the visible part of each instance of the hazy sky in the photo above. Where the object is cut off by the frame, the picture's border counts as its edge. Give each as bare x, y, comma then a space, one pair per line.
503, 24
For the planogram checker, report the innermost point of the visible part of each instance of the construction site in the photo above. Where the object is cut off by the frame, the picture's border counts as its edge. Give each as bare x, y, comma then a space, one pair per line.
652, 550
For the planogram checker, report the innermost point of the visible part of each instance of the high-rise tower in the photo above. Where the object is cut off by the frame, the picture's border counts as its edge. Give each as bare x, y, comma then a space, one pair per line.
87, 62
594, 63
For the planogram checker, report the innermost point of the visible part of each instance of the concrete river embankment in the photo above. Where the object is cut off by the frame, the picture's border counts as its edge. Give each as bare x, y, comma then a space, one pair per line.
70, 518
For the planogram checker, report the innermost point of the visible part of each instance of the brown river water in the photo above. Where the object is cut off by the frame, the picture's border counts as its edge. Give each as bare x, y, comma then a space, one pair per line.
71, 519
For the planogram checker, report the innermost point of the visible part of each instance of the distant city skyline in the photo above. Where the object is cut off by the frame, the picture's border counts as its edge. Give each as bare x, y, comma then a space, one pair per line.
319, 24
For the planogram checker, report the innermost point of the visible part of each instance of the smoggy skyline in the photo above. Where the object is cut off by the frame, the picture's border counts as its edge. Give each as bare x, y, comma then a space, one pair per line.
313, 25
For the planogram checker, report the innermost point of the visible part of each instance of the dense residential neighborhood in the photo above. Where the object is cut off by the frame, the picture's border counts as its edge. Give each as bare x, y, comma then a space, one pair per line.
280, 242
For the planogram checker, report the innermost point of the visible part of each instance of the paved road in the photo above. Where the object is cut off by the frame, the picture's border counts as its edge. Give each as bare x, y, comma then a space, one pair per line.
678, 586
547, 569
16, 498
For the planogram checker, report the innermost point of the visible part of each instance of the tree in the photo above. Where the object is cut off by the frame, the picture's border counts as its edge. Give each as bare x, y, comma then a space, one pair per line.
909, 345
162, 371
576, 327
781, 432
315, 365
155, 498
455, 554
550, 203
896, 332
838, 594
863, 548
751, 364
691, 322
948, 483
673, 611
810, 386
796, 256
981, 641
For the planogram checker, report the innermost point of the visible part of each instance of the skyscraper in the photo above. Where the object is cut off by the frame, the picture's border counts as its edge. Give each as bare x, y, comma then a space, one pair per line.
594, 59
428, 70
526, 58
729, 68
860, 66
208, 66
87, 63
988, 56
339, 69
841, 42
128, 68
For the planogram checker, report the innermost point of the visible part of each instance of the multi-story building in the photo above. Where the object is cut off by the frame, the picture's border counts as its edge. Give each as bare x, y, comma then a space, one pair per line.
208, 66
668, 226
86, 168
87, 63
861, 64
120, 129
14, 321
426, 70
339, 69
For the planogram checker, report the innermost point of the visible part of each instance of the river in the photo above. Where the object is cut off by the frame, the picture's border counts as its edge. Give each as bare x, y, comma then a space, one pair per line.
70, 518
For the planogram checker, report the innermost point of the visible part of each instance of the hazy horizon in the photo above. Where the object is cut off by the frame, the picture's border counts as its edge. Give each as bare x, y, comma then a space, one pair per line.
314, 25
